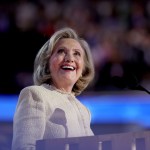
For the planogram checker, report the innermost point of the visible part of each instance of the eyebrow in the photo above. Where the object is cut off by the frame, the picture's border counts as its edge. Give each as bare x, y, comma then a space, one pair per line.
76, 49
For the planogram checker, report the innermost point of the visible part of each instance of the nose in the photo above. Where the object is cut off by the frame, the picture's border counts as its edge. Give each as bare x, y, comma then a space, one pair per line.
69, 58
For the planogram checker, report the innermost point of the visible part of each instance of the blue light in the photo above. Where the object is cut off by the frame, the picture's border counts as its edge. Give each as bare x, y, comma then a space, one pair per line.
7, 107
104, 108
119, 109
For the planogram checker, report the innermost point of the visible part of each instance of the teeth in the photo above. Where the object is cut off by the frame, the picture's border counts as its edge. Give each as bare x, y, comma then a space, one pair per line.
68, 67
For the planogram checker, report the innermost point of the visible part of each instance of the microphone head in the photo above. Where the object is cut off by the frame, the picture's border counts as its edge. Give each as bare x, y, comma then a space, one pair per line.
58, 117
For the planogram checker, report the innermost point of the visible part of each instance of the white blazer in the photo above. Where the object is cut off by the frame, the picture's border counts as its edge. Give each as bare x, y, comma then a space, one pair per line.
42, 112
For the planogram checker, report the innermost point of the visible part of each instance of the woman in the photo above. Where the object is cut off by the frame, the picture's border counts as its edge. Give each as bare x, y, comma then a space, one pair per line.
63, 68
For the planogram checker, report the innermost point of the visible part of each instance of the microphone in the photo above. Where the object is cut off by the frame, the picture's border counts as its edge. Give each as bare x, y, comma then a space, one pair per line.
129, 82
59, 117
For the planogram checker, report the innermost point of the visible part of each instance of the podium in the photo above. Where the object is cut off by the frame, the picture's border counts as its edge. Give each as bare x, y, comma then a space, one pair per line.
121, 141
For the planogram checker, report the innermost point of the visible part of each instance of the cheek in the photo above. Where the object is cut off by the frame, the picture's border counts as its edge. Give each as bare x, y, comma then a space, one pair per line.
53, 64
81, 65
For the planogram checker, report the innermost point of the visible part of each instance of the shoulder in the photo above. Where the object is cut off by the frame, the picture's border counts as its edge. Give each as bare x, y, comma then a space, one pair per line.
34, 91
36, 88
32, 88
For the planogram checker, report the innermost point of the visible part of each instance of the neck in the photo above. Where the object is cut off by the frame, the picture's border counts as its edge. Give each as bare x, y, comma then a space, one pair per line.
67, 89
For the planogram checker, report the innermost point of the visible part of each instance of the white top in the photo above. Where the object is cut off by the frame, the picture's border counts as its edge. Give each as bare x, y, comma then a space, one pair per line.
43, 112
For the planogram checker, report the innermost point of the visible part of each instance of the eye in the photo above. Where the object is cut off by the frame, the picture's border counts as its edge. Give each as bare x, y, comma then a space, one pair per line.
61, 50
77, 53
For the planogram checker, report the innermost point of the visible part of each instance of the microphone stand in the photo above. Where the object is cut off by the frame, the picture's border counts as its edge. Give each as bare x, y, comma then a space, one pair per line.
140, 88
130, 82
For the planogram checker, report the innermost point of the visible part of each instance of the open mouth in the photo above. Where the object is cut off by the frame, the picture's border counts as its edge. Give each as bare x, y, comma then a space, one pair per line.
71, 68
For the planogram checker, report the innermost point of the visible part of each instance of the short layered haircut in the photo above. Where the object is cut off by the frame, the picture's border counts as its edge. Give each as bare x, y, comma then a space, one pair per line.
42, 73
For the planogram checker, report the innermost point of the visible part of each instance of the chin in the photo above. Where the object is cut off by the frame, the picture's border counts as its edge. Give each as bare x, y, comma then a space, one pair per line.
69, 80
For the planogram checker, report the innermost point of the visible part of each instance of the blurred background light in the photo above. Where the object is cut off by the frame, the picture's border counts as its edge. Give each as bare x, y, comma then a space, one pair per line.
104, 108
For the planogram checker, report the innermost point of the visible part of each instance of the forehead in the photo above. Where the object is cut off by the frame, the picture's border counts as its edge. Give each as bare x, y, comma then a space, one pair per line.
69, 43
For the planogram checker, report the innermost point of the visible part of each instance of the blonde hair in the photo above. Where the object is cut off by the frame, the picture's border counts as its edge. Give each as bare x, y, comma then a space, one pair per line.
41, 72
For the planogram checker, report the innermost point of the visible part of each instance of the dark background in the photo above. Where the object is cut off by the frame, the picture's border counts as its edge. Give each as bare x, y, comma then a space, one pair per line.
118, 33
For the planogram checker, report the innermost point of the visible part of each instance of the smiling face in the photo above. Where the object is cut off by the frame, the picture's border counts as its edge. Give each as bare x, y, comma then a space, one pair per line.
66, 63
